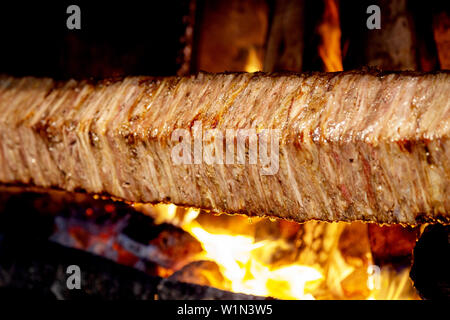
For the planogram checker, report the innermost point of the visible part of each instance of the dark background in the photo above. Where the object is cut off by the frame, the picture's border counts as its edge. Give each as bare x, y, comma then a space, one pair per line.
116, 38
144, 37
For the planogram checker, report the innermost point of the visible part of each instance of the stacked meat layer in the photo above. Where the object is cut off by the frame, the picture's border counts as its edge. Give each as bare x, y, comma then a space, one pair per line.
352, 146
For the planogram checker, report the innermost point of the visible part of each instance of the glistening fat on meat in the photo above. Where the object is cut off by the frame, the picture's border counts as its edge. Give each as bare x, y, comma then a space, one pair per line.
351, 146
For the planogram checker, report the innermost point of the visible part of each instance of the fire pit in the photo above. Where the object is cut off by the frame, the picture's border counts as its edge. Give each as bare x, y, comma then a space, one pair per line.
122, 202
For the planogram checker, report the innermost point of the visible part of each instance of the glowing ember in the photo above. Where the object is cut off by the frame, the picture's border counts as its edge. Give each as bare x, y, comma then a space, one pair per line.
330, 31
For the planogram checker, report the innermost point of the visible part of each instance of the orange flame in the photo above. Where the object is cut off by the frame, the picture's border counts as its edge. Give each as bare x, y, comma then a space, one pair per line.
330, 31
244, 264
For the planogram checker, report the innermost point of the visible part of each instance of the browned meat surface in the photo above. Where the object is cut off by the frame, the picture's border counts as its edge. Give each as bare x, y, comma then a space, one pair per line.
353, 145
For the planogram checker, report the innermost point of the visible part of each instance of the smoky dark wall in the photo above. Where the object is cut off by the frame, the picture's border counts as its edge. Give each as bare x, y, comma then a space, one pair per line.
115, 39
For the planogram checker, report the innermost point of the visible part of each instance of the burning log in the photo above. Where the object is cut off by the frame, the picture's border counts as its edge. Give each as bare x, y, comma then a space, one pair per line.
392, 244
185, 58
164, 244
330, 32
403, 42
352, 146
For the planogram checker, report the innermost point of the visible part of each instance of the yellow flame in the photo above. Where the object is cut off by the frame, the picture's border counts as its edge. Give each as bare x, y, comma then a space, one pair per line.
254, 63
168, 213
393, 286
330, 31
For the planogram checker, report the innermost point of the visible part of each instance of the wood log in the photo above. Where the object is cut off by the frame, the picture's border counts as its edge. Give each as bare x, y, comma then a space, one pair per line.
169, 289
312, 240
39, 267
403, 42
37, 270
392, 47
441, 26
31, 266
140, 38
185, 60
